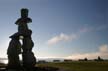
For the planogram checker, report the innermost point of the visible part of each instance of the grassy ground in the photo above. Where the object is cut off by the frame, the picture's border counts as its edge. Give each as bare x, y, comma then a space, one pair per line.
79, 65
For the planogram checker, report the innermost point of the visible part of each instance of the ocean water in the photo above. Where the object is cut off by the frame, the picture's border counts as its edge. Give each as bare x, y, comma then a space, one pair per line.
5, 60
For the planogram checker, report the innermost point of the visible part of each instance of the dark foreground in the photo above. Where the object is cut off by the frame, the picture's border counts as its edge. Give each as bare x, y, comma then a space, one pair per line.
3, 68
36, 69
68, 66
79, 65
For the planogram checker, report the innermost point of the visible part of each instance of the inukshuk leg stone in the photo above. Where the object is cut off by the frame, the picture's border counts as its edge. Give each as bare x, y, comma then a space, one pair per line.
13, 51
29, 60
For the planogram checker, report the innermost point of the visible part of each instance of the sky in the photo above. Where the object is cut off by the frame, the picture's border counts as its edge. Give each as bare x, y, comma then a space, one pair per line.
70, 29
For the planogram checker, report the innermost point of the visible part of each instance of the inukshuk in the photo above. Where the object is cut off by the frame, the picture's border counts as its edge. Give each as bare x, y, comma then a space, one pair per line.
14, 49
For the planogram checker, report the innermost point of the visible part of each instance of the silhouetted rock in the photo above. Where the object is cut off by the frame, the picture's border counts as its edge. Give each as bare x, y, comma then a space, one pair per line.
14, 49
13, 52
22, 22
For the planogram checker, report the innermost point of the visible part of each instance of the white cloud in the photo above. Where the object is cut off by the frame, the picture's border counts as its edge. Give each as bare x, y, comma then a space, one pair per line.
103, 49
48, 57
103, 52
65, 37
61, 37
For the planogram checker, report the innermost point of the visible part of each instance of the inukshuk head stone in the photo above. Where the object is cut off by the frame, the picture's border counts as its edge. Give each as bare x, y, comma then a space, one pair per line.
22, 22
24, 13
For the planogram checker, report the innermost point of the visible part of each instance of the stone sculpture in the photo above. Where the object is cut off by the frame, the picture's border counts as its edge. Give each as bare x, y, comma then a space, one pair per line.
14, 49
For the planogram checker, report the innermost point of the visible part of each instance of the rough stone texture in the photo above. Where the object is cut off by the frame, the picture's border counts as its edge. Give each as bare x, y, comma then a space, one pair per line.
29, 60
13, 52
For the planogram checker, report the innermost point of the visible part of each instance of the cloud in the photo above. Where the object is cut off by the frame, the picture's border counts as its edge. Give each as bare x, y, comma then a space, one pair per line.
103, 52
64, 37
103, 49
61, 37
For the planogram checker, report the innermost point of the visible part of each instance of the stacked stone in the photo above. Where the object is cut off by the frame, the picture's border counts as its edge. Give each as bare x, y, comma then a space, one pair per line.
28, 58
